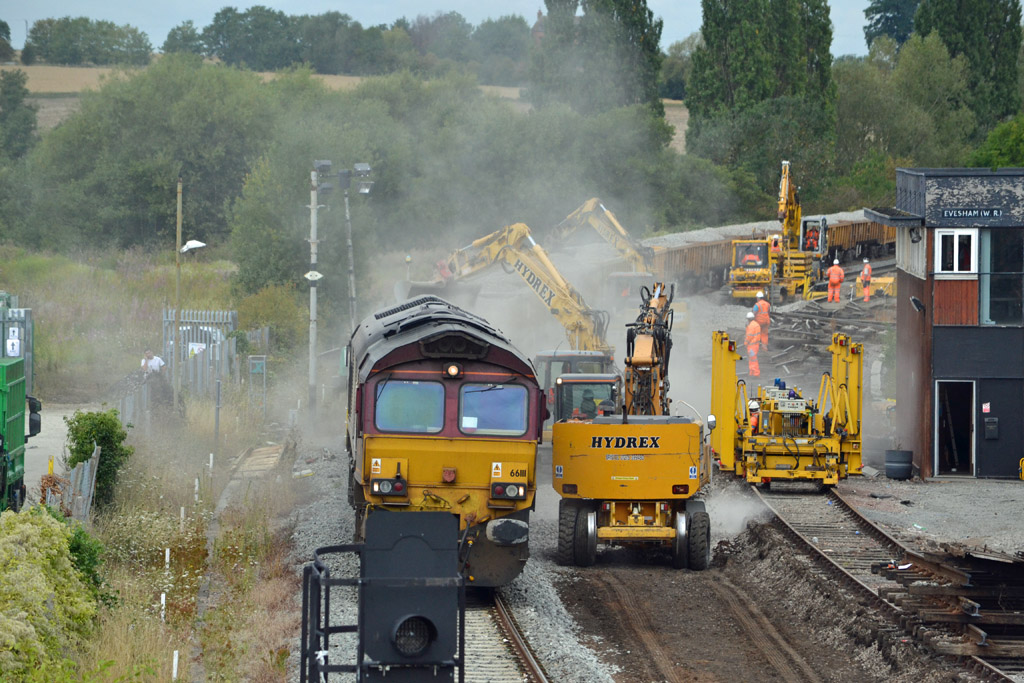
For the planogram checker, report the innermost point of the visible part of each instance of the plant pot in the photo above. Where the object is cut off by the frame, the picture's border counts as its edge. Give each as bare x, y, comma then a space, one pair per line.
899, 464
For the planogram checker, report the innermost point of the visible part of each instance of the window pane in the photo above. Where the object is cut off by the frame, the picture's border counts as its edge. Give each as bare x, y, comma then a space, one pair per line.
946, 253
493, 409
583, 401
964, 264
405, 406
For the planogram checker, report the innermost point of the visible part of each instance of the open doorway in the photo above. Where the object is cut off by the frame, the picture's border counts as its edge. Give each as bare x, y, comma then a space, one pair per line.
954, 428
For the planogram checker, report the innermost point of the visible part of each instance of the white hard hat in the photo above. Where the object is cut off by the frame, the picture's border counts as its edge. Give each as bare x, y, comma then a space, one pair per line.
865, 259
753, 405
760, 295
750, 315
836, 262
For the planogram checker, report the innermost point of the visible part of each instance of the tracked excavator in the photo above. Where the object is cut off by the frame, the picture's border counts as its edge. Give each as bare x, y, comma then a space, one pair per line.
785, 264
627, 470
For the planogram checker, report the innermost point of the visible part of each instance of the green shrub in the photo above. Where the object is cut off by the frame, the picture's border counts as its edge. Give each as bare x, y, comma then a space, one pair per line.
86, 553
45, 609
103, 429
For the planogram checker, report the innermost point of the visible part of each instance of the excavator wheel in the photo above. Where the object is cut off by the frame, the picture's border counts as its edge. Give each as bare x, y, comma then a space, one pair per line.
700, 540
585, 537
566, 532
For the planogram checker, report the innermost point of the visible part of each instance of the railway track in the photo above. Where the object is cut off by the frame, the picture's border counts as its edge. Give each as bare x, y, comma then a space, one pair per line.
496, 649
970, 607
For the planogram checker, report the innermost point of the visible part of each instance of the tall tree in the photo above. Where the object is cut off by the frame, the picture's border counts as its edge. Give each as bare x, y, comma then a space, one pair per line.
606, 58
6, 51
183, 38
17, 117
893, 18
260, 38
988, 34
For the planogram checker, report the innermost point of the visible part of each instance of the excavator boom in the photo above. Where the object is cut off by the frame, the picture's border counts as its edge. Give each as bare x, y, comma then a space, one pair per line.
594, 214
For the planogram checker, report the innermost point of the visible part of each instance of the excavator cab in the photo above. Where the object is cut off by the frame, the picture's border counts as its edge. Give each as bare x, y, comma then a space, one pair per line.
813, 235
586, 396
750, 254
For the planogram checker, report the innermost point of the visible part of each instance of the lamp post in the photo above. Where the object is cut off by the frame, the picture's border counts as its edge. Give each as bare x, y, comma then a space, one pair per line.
321, 171
361, 171
178, 251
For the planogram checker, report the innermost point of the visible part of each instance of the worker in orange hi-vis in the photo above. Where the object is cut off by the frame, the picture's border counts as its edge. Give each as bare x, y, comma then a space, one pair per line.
865, 279
762, 310
835, 280
753, 342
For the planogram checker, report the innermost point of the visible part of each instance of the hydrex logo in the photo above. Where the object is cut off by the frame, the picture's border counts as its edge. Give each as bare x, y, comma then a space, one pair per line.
625, 442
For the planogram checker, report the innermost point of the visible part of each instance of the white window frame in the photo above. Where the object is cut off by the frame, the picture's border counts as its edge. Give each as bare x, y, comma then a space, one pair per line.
956, 233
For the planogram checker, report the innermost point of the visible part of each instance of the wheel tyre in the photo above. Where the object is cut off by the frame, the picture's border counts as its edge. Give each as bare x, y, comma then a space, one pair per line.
700, 540
680, 543
585, 537
566, 532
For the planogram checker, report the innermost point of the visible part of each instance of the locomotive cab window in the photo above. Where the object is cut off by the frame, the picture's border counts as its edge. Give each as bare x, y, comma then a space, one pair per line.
409, 406
493, 409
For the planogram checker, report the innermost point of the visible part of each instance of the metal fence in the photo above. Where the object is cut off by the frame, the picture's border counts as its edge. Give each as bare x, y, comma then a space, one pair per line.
77, 496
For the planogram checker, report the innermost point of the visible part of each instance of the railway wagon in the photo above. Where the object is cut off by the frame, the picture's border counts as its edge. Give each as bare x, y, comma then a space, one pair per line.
445, 414
700, 265
694, 266
851, 240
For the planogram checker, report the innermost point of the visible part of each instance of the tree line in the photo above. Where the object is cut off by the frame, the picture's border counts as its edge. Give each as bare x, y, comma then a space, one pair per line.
451, 163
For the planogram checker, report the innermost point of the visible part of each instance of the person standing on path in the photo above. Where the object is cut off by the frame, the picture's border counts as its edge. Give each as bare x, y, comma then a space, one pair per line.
753, 341
151, 363
835, 281
762, 314
865, 279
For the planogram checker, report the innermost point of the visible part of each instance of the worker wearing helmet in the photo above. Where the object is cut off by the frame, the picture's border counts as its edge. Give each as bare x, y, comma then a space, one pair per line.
753, 341
752, 408
865, 279
835, 280
762, 310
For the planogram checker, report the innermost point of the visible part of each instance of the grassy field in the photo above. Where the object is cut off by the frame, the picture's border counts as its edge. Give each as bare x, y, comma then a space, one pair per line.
55, 91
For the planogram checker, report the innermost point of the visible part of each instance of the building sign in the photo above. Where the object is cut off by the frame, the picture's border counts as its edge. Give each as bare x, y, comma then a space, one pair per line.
986, 407
972, 213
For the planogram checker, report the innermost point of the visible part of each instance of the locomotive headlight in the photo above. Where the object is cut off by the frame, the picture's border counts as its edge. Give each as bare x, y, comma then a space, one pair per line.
452, 370
511, 490
385, 487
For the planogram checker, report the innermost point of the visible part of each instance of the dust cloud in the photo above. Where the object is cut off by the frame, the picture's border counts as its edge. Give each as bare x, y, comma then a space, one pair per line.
732, 508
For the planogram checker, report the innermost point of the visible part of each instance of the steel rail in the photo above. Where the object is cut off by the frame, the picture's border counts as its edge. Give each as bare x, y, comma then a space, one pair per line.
507, 623
892, 612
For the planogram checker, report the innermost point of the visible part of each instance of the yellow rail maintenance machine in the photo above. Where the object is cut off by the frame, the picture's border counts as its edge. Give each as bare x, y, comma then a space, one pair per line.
775, 433
628, 472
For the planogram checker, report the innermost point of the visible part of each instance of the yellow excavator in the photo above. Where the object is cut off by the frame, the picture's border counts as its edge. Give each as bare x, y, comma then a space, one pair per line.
594, 214
514, 248
628, 472
776, 433
785, 264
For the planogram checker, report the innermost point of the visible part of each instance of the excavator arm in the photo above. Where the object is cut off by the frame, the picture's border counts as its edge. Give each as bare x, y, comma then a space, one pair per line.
789, 210
648, 346
514, 248
594, 214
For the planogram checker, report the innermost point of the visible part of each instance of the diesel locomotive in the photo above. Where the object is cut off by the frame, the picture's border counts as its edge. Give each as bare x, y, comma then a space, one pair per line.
445, 414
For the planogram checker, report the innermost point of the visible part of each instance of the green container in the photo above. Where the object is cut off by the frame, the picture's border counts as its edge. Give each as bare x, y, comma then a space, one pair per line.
12, 429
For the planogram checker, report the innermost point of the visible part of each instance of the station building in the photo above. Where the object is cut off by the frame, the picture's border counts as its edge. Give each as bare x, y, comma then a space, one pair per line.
960, 319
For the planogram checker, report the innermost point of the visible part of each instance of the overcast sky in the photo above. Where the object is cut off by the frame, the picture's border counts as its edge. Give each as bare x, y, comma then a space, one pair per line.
681, 17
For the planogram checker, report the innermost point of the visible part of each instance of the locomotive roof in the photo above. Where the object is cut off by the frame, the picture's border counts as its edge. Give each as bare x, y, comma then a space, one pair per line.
393, 327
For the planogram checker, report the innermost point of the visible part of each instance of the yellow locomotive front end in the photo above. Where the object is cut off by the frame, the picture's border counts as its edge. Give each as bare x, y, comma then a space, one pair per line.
445, 416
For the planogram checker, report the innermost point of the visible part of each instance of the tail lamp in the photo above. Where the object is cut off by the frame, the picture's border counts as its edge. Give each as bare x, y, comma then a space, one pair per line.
569, 489
508, 491
680, 489
389, 487
606, 506
732, 346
